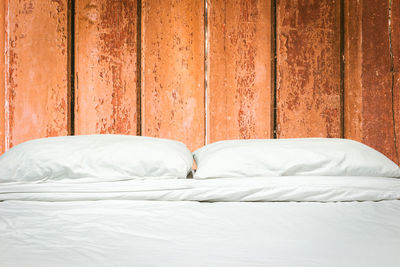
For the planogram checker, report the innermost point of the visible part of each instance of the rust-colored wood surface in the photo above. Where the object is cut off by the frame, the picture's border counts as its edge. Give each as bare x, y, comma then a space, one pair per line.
353, 73
173, 70
172, 100
105, 67
239, 104
308, 68
37, 70
395, 69
2, 76
370, 82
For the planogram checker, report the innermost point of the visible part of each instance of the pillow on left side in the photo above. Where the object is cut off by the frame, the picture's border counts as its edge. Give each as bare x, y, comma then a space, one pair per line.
94, 158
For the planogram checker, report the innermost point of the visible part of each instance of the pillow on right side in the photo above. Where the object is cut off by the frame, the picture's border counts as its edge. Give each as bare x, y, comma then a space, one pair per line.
291, 157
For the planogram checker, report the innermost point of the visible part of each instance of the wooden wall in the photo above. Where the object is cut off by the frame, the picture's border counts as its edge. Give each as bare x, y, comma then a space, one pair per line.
200, 71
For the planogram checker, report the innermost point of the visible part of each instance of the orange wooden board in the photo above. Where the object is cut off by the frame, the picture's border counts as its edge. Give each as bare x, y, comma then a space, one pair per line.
2, 77
395, 44
105, 67
353, 73
308, 68
369, 96
239, 92
36, 70
173, 70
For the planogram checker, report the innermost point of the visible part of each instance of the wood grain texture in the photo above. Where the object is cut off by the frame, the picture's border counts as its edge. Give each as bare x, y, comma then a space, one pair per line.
105, 67
369, 95
353, 71
395, 45
239, 93
308, 68
173, 70
395, 71
2, 76
37, 70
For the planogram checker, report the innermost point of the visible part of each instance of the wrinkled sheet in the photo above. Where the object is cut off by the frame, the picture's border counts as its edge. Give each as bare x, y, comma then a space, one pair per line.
284, 188
283, 221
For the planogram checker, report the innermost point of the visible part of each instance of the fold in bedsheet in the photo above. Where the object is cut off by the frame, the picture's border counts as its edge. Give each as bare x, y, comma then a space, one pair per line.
345, 224
110, 233
288, 188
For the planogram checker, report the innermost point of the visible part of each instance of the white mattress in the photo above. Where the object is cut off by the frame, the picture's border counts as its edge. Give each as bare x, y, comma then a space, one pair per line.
283, 221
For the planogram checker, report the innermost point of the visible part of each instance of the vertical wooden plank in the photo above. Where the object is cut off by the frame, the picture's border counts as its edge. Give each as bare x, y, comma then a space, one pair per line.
2, 75
239, 69
37, 69
353, 71
105, 66
308, 68
369, 108
173, 70
395, 68
378, 129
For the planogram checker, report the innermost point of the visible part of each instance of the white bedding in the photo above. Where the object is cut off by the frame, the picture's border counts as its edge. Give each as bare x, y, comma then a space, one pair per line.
281, 221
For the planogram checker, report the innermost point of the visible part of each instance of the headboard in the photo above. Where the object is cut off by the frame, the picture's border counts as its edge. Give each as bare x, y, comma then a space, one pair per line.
201, 70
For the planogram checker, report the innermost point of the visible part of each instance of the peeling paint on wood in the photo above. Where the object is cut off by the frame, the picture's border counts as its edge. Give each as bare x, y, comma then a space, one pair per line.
37, 69
308, 68
2, 77
376, 78
239, 69
105, 67
395, 45
34, 88
173, 70
353, 61
370, 102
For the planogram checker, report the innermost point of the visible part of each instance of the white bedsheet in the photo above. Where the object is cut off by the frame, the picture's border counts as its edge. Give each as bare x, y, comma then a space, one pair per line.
283, 221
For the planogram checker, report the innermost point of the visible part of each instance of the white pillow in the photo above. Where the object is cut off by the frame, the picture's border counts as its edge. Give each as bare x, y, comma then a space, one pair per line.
291, 157
95, 158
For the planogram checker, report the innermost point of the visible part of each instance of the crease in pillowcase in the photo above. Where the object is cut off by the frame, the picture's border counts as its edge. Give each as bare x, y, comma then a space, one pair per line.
93, 158
291, 157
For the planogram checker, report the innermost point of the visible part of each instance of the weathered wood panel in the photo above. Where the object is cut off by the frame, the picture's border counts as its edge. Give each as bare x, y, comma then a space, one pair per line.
105, 67
395, 68
308, 68
2, 76
173, 70
369, 84
353, 61
37, 70
239, 93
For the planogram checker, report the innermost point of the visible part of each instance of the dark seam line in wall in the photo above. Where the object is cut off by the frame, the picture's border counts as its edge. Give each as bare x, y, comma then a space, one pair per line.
139, 68
392, 73
273, 68
205, 72
71, 59
342, 70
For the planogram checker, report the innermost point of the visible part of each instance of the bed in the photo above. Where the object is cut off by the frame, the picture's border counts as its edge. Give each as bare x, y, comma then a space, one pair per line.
291, 220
